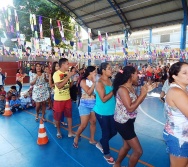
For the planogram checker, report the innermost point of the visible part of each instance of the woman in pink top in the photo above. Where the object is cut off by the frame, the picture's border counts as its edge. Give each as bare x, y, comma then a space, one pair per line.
19, 79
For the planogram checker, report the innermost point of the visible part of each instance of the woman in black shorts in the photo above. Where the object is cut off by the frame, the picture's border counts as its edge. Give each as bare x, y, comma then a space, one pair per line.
125, 112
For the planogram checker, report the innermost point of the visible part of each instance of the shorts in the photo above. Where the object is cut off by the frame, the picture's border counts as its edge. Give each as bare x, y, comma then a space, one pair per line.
126, 130
61, 107
174, 147
84, 110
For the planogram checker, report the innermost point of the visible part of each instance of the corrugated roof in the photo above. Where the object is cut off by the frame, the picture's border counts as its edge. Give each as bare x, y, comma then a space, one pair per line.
114, 16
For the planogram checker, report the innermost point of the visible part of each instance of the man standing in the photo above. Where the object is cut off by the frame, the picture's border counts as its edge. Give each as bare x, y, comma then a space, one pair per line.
62, 99
2, 77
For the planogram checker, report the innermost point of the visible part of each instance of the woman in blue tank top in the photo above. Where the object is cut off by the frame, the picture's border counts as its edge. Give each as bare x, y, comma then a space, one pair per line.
104, 110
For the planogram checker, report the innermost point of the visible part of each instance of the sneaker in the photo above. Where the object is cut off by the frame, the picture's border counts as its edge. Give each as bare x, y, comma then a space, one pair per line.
98, 145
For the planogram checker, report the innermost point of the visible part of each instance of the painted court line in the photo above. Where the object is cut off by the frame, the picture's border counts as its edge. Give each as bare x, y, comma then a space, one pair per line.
140, 108
76, 126
111, 148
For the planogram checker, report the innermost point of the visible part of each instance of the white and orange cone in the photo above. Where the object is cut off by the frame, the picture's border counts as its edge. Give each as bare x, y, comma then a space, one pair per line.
42, 136
7, 112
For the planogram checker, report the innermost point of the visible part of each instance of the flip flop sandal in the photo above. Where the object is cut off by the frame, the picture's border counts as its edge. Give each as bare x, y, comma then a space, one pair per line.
64, 123
44, 120
75, 145
59, 136
71, 135
109, 160
36, 118
92, 143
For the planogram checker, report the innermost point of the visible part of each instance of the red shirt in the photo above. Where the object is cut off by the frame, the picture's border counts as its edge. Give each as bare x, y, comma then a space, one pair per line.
3, 93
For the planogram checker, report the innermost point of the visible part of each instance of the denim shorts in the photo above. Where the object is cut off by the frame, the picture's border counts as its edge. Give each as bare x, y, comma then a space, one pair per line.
84, 110
174, 146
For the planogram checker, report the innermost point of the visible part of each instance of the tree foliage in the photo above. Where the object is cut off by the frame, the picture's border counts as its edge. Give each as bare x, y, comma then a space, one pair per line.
42, 8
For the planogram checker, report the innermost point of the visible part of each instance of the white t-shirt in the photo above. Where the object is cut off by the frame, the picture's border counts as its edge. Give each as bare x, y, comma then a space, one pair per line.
1, 81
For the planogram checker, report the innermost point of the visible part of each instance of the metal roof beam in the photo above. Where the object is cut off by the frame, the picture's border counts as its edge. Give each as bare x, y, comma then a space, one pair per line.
122, 13
158, 3
88, 4
185, 7
108, 25
66, 3
159, 14
69, 12
156, 25
145, 27
141, 18
105, 8
117, 12
103, 18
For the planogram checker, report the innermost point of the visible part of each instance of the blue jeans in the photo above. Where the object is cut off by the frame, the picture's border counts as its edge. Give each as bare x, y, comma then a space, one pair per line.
107, 125
142, 81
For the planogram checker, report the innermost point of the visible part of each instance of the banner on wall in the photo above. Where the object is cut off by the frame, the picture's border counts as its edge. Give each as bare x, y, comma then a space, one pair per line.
28, 44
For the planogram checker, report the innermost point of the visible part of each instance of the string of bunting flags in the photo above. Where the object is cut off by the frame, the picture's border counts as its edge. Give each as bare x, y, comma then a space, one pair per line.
37, 48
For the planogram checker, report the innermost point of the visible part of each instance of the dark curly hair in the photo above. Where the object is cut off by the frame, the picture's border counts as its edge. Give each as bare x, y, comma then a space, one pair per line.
123, 77
103, 66
35, 71
87, 71
175, 69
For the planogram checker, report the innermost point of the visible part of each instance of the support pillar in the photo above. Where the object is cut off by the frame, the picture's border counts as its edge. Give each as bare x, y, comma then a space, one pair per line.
106, 47
184, 26
89, 47
125, 46
150, 41
126, 39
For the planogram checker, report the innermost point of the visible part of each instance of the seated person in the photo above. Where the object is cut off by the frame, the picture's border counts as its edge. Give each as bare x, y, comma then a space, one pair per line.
9, 96
15, 104
25, 101
2, 104
2, 91
14, 91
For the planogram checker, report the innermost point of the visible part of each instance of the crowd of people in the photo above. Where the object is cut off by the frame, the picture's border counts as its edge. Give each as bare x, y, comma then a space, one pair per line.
107, 94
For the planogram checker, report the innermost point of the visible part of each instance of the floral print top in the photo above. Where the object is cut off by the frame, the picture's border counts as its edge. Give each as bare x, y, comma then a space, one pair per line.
121, 114
40, 92
177, 123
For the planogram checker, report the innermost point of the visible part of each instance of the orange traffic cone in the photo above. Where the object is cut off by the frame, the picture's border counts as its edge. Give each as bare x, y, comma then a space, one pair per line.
42, 136
7, 112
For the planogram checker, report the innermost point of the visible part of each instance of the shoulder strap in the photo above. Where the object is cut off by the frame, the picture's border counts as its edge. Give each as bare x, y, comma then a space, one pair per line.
126, 88
175, 85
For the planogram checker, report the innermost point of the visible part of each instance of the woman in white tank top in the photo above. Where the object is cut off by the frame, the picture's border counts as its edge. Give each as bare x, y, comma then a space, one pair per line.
176, 128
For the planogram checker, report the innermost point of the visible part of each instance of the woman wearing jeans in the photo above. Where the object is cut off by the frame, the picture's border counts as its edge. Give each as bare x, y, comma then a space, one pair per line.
176, 128
104, 110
